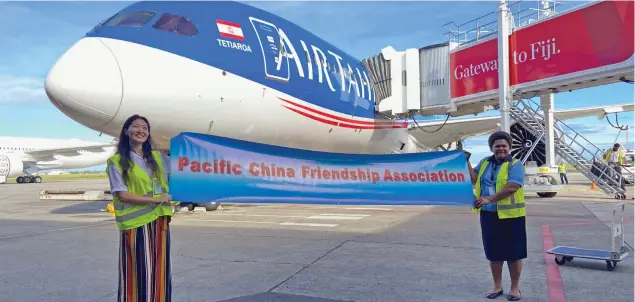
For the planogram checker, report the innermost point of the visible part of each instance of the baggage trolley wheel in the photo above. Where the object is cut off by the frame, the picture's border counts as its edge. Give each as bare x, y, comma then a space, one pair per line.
560, 261
610, 265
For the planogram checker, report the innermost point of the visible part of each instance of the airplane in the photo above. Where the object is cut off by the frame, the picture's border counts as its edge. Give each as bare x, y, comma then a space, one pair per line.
27, 155
233, 70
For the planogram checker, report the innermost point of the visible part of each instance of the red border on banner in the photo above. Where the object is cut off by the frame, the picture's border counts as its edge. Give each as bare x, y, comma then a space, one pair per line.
595, 36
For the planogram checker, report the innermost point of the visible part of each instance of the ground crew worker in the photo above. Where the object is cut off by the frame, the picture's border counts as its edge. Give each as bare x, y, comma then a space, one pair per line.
500, 200
562, 169
138, 181
615, 159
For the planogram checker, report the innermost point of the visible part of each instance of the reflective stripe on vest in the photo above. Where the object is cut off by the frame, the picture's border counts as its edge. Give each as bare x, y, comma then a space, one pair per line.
122, 205
515, 208
607, 155
135, 214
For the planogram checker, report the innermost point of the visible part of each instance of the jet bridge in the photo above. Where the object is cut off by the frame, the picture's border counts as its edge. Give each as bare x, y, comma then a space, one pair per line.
549, 52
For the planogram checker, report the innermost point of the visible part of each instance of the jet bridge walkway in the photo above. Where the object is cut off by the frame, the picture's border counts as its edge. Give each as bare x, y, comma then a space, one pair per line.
549, 52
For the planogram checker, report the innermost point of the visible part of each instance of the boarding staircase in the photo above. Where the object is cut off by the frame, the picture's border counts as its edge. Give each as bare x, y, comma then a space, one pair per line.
588, 159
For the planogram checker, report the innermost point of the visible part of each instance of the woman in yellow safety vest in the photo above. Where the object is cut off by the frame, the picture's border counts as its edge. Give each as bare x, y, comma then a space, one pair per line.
138, 182
500, 200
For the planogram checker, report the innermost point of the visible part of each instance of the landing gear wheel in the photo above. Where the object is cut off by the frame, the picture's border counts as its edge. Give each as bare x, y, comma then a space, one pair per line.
546, 194
210, 206
610, 265
568, 258
37, 179
19, 180
620, 196
562, 260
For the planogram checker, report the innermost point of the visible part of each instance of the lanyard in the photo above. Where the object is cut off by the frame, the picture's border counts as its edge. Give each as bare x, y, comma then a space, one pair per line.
492, 172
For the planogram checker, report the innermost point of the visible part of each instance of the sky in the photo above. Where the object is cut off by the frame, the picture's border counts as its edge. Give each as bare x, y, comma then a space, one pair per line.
35, 34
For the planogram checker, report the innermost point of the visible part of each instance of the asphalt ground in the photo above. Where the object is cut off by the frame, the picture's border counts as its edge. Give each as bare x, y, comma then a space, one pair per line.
55, 250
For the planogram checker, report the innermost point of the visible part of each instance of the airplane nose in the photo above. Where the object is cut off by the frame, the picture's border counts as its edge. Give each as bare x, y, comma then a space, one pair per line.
85, 83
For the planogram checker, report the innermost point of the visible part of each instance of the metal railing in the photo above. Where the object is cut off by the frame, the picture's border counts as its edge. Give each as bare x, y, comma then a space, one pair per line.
487, 25
608, 179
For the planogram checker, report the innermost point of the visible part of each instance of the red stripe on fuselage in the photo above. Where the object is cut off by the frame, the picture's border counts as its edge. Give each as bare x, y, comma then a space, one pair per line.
340, 124
344, 122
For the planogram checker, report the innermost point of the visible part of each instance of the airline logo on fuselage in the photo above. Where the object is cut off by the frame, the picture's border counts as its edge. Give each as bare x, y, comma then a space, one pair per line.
278, 52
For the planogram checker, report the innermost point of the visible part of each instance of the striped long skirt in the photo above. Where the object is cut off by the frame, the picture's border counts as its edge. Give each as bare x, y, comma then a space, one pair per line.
145, 272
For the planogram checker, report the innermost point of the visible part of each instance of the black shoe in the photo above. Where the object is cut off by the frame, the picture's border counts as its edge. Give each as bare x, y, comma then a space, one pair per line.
494, 295
513, 298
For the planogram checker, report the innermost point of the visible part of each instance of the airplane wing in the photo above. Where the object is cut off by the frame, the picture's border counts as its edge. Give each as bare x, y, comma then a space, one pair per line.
600, 111
45, 154
435, 133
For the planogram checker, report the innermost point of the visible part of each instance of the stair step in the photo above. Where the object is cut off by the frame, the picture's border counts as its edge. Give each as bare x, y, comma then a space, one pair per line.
532, 121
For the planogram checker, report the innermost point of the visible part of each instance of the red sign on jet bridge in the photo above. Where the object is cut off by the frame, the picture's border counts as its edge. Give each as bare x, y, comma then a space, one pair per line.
597, 35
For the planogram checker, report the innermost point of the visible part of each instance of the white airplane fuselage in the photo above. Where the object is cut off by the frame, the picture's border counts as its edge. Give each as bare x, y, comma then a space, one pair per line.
232, 70
115, 72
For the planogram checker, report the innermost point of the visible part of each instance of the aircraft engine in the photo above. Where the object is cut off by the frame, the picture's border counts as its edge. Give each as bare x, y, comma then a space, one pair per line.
522, 142
11, 165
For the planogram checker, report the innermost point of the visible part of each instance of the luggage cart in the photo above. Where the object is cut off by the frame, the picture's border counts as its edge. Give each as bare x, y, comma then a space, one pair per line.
612, 257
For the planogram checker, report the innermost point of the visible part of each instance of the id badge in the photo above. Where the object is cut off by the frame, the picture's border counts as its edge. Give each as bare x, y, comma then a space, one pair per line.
157, 187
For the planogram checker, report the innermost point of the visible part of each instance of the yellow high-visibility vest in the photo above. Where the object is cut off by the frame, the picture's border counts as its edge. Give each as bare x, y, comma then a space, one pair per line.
510, 207
130, 216
620, 155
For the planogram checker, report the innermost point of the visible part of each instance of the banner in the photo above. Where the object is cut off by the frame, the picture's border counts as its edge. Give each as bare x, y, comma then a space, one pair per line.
205, 168
598, 35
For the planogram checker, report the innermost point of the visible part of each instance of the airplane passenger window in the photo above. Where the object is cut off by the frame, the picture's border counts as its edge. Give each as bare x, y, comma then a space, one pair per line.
176, 24
138, 18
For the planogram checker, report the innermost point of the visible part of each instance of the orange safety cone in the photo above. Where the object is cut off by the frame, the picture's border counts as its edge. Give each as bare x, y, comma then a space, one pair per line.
594, 186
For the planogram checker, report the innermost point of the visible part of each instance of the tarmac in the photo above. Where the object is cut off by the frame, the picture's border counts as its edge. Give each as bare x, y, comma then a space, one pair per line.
55, 250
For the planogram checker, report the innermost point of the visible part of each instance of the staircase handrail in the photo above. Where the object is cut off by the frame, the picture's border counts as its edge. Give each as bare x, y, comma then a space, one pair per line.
596, 161
563, 133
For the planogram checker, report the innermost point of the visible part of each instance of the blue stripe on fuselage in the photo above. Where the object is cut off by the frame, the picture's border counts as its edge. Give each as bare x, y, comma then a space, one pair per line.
206, 48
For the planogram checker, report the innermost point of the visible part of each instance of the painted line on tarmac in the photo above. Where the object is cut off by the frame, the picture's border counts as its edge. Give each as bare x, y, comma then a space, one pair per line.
233, 221
555, 287
370, 209
586, 222
257, 215
56, 230
338, 216
309, 224
267, 222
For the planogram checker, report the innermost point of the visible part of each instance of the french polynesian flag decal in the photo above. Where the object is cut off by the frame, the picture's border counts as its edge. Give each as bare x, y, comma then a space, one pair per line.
230, 30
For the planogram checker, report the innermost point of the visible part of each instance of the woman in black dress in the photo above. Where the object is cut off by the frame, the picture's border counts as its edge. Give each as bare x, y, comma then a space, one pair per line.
500, 201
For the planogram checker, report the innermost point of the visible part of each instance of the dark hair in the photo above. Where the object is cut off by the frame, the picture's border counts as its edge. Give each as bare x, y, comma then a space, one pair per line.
123, 148
499, 135
616, 145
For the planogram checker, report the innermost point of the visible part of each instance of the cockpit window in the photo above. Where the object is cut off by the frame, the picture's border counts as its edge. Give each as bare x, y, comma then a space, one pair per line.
137, 18
176, 24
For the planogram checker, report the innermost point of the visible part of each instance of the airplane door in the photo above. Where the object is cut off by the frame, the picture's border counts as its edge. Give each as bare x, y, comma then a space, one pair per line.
276, 62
